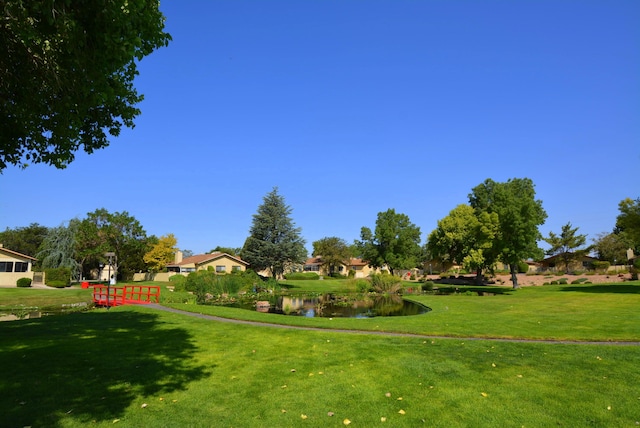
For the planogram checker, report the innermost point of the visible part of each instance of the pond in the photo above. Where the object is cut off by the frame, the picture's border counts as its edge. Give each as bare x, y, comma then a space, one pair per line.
26, 312
336, 306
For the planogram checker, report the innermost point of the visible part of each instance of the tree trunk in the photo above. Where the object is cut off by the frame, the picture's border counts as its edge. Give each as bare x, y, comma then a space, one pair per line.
479, 277
514, 275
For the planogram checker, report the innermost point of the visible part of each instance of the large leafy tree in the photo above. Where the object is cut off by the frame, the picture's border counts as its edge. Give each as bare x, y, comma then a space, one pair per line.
628, 222
466, 238
161, 253
25, 240
395, 242
519, 216
333, 250
228, 250
567, 245
118, 232
274, 242
611, 247
66, 74
59, 247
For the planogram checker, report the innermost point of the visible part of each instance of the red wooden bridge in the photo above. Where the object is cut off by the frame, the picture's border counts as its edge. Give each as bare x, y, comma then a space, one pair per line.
123, 295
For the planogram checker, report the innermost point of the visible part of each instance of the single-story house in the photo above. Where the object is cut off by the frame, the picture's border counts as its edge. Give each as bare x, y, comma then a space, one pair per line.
220, 262
14, 266
359, 266
556, 262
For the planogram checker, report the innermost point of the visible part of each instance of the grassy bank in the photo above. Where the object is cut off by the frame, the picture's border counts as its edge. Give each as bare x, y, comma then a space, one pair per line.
137, 367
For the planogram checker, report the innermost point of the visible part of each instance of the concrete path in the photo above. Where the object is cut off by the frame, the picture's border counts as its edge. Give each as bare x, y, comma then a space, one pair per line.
381, 333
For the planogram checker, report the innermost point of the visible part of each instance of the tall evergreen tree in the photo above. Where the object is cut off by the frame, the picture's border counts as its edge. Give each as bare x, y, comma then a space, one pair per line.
58, 248
274, 242
519, 216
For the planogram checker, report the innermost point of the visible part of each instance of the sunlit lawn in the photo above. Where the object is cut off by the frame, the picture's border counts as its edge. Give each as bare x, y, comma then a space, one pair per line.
135, 366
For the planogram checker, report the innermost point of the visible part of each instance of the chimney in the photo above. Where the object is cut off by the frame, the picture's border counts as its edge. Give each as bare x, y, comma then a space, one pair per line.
178, 257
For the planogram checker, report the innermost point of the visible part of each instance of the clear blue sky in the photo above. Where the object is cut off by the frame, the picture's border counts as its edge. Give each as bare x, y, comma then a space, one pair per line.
353, 107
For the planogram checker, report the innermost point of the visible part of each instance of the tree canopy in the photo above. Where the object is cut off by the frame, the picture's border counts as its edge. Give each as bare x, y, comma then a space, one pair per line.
161, 253
333, 250
628, 222
567, 245
59, 248
465, 237
66, 74
274, 242
519, 216
395, 243
24, 240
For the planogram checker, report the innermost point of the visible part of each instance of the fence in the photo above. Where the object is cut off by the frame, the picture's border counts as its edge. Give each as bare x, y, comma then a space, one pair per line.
128, 294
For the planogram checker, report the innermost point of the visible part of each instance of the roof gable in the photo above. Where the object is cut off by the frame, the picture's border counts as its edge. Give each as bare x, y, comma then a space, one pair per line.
15, 253
199, 259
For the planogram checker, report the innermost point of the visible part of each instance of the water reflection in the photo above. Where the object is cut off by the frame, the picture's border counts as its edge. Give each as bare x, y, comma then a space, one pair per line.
338, 306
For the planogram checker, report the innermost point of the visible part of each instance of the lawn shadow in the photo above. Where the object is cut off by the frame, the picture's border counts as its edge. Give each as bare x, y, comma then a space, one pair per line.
604, 288
89, 366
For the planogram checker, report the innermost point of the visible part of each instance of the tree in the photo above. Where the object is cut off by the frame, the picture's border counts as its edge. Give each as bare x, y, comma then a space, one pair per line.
274, 243
567, 245
58, 249
611, 247
66, 74
24, 240
228, 250
395, 244
519, 216
333, 252
161, 253
117, 232
465, 237
628, 222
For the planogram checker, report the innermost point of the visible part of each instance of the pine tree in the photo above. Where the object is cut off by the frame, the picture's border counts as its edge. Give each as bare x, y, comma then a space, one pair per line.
274, 242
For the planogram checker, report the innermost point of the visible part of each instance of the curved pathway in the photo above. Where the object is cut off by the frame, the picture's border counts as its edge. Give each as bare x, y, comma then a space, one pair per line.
380, 333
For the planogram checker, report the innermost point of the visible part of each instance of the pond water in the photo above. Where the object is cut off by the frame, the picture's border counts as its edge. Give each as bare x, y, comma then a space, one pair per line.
25, 312
337, 306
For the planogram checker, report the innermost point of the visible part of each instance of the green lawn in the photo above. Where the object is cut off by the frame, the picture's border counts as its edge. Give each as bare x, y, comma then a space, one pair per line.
135, 366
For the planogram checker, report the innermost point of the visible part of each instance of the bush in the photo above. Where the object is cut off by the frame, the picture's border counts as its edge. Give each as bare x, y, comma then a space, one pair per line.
24, 282
427, 286
601, 266
563, 281
58, 275
301, 276
206, 285
579, 281
58, 284
178, 282
361, 285
523, 267
385, 283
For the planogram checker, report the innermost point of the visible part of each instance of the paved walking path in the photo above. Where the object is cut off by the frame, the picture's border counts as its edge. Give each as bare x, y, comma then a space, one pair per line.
380, 333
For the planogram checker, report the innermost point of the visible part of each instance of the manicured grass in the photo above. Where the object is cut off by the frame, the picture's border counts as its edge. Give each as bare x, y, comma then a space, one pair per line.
134, 366
588, 312
40, 297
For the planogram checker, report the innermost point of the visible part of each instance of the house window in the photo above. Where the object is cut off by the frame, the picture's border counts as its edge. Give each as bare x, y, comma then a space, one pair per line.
21, 267
311, 268
6, 266
235, 268
220, 268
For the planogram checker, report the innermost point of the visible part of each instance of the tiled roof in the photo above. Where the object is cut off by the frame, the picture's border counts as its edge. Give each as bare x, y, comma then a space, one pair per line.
15, 253
204, 258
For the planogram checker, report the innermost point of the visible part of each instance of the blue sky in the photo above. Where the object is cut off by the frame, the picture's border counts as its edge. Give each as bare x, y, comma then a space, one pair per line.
353, 107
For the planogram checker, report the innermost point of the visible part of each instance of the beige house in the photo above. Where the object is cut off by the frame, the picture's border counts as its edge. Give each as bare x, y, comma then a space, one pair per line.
219, 262
359, 266
14, 266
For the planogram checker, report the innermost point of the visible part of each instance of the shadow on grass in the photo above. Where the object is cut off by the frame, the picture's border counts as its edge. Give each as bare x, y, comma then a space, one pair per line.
604, 288
90, 366
481, 290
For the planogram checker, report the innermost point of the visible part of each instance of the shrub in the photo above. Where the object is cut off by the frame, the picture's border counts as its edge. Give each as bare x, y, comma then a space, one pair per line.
579, 281
58, 284
523, 267
24, 282
205, 284
337, 275
563, 281
178, 282
427, 286
58, 275
301, 276
601, 266
385, 283
361, 285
